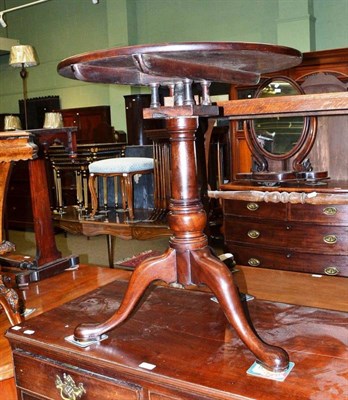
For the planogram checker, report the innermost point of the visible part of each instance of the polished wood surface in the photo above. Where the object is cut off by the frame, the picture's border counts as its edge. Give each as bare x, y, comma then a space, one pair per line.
14, 146
287, 106
301, 228
48, 260
319, 71
52, 292
312, 290
115, 224
188, 259
230, 62
194, 355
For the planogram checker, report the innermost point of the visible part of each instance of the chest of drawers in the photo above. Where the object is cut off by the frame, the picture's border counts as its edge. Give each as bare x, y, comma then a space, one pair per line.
310, 238
190, 351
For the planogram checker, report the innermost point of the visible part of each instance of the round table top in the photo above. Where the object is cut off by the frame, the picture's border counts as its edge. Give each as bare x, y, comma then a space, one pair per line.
168, 63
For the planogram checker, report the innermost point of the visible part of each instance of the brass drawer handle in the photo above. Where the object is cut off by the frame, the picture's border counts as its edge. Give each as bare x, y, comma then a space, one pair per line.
68, 388
330, 239
252, 206
330, 211
254, 262
331, 271
253, 234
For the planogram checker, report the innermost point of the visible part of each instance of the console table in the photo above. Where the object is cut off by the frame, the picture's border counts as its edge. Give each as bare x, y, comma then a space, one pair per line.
48, 260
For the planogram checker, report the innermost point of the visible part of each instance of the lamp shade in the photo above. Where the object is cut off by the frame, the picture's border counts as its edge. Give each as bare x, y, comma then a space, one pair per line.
23, 55
11, 123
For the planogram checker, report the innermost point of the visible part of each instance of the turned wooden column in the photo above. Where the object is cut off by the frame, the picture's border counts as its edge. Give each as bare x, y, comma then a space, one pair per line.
186, 216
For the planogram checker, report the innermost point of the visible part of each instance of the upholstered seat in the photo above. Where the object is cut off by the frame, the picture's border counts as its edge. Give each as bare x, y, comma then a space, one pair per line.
123, 167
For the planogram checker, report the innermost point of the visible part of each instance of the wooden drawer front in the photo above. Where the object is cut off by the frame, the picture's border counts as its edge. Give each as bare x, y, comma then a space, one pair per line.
40, 377
319, 238
331, 265
261, 209
26, 396
326, 214
183, 396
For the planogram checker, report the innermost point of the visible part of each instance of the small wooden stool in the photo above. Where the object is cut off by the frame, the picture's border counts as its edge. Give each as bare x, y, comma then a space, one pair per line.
123, 167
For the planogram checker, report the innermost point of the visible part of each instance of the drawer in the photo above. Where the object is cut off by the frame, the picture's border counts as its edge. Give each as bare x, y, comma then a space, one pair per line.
319, 238
277, 211
324, 213
323, 264
43, 377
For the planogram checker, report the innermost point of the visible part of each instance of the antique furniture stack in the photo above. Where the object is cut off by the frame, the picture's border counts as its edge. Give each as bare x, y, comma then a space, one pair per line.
307, 236
180, 344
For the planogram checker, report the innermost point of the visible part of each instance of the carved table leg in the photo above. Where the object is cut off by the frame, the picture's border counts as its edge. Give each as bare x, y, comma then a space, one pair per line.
209, 270
9, 301
156, 268
46, 249
5, 169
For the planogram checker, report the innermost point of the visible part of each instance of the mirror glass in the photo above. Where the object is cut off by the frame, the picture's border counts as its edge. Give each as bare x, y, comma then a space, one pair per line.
278, 136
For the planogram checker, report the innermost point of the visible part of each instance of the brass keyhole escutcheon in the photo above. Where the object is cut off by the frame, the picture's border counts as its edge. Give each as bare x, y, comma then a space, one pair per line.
331, 270
252, 206
254, 262
68, 389
253, 234
330, 239
330, 211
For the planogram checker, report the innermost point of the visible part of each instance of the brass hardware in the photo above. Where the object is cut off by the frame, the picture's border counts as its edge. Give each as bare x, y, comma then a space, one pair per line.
254, 262
68, 388
253, 234
331, 271
330, 239
252, 206
330, 211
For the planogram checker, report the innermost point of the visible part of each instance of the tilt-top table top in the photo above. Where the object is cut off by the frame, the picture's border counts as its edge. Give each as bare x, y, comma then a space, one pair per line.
168, 63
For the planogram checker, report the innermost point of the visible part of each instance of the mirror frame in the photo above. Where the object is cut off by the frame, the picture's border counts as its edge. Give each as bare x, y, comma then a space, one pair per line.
258, 151
300, 168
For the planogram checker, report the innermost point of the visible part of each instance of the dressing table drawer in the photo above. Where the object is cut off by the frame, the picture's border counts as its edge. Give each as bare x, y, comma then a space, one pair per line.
309, 237
50, 379
277, 211
287, 259
328, 214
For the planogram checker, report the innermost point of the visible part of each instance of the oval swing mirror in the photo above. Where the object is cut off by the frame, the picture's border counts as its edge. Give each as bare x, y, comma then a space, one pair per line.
285, 140
279, 138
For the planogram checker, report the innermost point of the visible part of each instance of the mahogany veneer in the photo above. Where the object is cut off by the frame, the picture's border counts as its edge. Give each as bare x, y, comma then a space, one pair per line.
196, 355
44, 295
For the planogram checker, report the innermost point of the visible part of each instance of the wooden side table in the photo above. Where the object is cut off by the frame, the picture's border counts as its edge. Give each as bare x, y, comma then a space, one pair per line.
48, 260
188, 259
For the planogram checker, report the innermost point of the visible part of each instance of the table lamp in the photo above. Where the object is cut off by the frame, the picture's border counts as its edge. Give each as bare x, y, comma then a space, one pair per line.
23, 56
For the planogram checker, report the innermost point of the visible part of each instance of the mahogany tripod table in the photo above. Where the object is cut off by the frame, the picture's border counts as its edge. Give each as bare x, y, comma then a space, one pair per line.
188, 260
